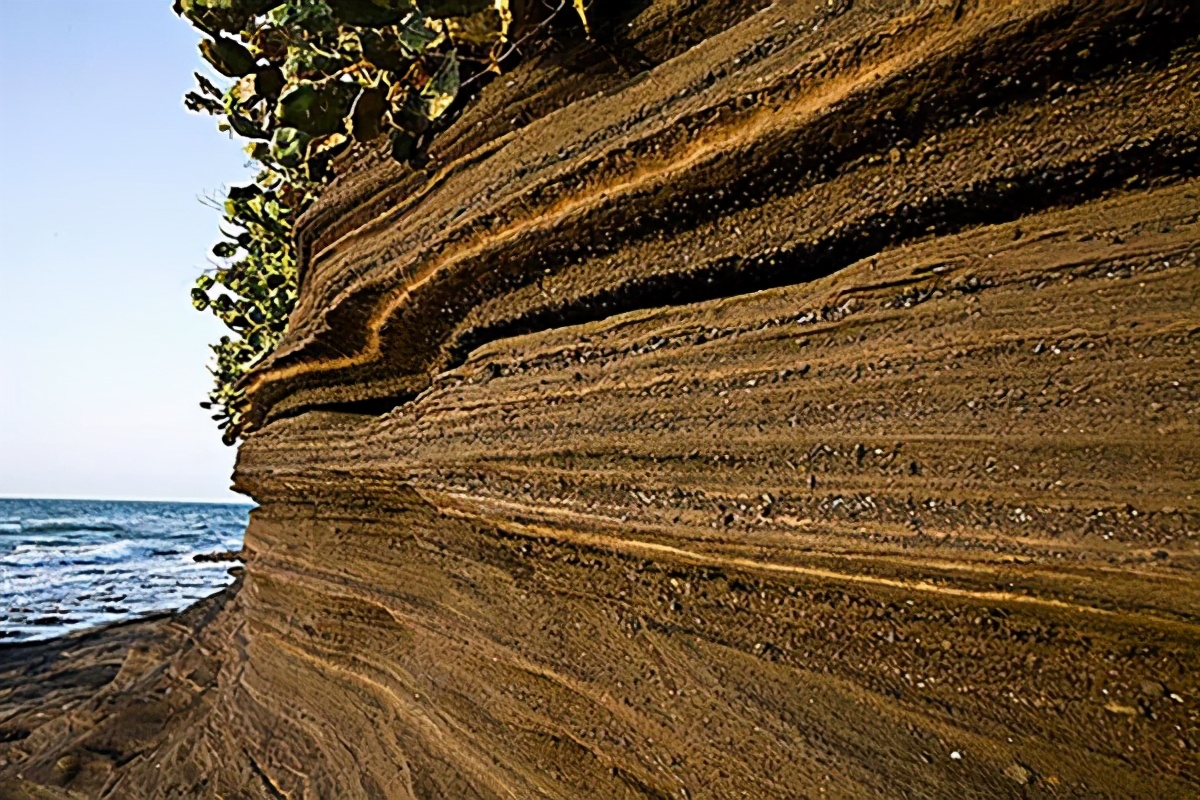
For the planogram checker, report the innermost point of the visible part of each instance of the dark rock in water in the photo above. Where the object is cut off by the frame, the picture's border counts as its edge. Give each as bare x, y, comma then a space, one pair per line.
69, 526
51, 621
220, 555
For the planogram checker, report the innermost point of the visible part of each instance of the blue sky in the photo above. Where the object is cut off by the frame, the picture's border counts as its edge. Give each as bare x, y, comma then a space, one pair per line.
102, 231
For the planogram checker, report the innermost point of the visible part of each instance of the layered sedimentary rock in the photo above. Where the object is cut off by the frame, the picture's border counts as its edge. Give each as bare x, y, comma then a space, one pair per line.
788, 401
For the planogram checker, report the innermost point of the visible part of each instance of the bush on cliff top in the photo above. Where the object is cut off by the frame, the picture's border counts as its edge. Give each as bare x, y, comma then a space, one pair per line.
306, 79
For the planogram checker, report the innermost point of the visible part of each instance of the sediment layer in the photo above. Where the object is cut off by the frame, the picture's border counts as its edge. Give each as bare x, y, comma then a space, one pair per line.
806, 410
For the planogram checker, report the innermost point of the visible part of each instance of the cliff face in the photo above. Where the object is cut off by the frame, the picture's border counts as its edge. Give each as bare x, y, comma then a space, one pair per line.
796, 401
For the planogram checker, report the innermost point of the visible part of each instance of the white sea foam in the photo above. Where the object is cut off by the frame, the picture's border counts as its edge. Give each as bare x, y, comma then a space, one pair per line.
68, 524
66, 565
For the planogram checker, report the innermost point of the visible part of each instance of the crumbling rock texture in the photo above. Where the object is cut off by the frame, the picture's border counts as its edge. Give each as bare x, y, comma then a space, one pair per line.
788, 401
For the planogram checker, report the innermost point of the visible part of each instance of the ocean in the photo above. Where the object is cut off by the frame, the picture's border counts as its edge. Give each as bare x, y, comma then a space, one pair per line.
72, 564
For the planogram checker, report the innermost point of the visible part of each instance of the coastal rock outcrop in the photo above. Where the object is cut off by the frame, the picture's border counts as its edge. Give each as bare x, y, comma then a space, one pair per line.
789, 400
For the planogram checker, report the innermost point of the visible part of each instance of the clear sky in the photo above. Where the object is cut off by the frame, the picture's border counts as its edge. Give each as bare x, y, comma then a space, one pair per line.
102, 230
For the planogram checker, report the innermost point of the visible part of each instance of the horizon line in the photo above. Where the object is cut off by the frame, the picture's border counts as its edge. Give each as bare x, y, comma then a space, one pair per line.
246, 502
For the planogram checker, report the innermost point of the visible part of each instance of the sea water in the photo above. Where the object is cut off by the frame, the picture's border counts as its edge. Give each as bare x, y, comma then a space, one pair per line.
71, 564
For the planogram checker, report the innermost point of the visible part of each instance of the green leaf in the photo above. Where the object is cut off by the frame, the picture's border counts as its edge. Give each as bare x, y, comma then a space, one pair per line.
240, 95
245, 193
248, 7
438, 94
369, 13
415, 35
259, 151
454, 8
246, 128
207, 86
393, 49
316, 108
194, 101
269, 82
227, 56
288, 145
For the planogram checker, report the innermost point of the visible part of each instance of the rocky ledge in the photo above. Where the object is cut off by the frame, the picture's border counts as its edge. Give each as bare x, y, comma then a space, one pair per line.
758, 401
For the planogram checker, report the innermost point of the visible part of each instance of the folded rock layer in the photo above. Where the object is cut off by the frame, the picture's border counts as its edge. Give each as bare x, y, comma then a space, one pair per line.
786, 401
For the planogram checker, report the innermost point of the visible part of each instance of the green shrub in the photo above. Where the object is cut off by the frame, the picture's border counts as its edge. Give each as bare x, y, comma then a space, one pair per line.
307, 78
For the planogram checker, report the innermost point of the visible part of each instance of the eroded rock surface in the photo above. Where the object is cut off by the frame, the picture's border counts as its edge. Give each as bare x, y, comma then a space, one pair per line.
796, 401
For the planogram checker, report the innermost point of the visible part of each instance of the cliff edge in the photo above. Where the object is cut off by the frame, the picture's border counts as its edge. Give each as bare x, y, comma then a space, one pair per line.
790, 400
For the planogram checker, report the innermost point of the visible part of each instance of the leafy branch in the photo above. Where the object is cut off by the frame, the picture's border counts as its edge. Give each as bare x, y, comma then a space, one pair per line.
306, 79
